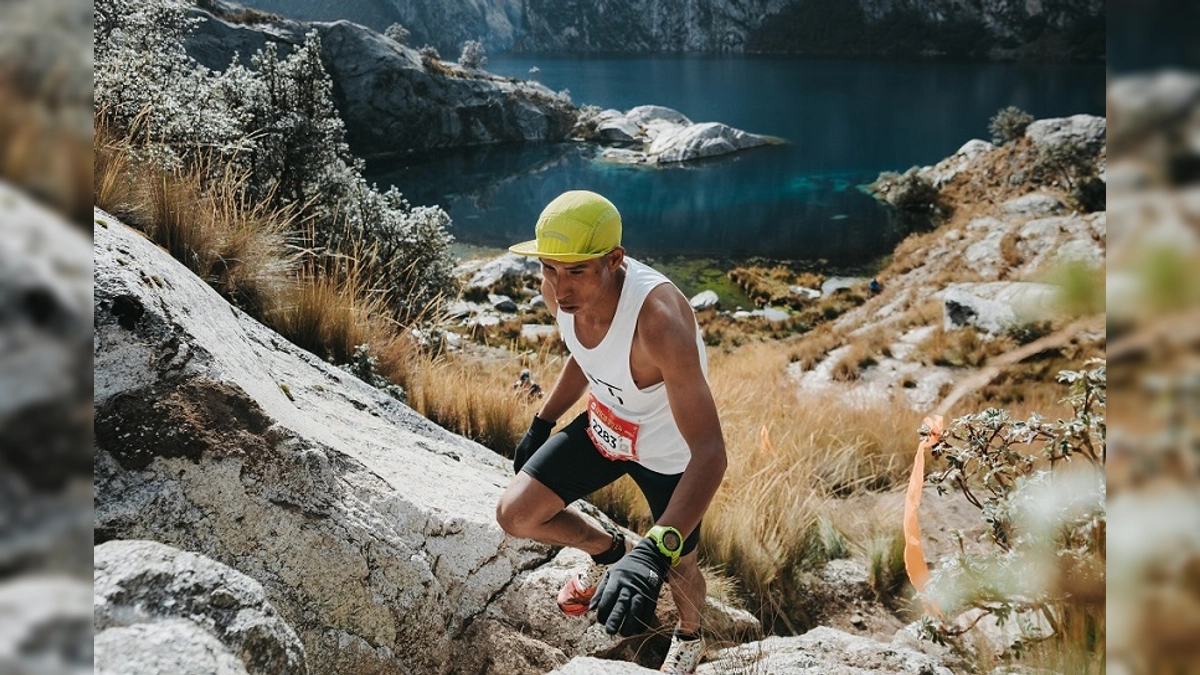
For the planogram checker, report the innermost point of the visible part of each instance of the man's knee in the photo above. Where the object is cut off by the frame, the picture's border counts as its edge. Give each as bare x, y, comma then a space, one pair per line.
523, 509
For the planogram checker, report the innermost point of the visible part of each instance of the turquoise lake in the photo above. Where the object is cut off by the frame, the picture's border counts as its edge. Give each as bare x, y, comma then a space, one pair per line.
844, 122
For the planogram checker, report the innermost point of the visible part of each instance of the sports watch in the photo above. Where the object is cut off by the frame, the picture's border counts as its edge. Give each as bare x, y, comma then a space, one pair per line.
668, 540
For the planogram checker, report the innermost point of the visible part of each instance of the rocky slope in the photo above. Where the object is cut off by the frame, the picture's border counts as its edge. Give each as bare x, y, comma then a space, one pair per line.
1060, 30
297, 519
981, 277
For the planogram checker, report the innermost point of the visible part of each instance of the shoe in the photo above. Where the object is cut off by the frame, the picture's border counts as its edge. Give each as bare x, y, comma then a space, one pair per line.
683, 657
575, 596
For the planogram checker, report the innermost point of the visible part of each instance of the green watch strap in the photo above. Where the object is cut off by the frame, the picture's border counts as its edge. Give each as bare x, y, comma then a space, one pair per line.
668, 540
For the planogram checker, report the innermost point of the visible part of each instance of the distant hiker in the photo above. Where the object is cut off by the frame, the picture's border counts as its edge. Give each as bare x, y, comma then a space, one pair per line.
525, 385
637, 353
875, 286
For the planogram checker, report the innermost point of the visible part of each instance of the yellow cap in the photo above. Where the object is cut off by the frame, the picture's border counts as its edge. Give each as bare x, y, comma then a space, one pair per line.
577, 225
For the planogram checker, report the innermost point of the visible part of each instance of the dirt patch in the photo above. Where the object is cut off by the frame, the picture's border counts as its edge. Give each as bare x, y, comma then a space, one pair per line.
187, 420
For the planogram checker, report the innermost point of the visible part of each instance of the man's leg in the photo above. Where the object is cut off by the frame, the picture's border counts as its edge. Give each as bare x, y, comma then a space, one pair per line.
689, 590
530, 510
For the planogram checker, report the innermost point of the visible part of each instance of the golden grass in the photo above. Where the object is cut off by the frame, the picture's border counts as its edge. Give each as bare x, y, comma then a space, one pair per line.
811, 348
238, 247
42, 151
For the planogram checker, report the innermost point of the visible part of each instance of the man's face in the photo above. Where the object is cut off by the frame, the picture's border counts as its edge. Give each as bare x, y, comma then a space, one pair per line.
580, 285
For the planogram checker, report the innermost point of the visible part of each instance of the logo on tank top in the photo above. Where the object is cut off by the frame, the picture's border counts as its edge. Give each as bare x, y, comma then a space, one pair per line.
613, 390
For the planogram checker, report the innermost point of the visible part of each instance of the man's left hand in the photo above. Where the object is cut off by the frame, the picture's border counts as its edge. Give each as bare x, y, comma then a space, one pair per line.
628, 593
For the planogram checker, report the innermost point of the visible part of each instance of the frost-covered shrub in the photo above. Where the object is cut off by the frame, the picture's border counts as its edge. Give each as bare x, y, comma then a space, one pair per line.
397, 33
147, 86
1040, 487
273, 123
472, 56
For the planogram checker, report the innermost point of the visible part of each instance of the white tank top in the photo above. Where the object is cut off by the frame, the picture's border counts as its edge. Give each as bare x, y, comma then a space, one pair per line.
624, 422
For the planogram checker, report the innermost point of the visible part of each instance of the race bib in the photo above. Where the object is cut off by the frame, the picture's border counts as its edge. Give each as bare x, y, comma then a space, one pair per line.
614, 437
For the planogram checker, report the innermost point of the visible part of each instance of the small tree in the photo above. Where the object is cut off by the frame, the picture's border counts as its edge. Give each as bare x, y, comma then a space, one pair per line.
1072, 164
397, 33
429, 53
1009, 124
472, 56
1040, 487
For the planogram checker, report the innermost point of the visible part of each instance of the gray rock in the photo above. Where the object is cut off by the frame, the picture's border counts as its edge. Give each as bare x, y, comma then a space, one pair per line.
821, 651
698, 141
1089, 130
390, 101
507, 265
996, 306
538, 331
775, 314
537, 301
668, 137
648, 115
371, 529
1037, 204
45, 626
149, 597
620, 130
587, 665
835, 284
704, 300
45, 380
502, 303
173, 646
806, 293
946, 170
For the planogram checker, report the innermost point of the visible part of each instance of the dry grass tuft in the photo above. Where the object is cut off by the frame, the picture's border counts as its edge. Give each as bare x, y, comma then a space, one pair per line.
42, 151
811, 348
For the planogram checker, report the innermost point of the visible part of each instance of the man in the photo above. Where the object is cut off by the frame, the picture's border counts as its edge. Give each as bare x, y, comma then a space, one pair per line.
637, 352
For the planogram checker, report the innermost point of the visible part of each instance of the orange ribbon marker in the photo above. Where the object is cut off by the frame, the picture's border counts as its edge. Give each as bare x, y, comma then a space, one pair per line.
914, 554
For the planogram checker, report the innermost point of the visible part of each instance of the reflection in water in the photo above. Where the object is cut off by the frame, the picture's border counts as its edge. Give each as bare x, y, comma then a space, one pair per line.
737, 206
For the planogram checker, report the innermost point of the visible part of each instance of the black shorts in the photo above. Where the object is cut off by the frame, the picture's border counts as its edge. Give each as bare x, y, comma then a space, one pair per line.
572, 468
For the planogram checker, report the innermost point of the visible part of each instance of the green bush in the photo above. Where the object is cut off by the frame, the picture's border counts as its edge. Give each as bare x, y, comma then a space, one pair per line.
1009, 124
1073, 166
910, 192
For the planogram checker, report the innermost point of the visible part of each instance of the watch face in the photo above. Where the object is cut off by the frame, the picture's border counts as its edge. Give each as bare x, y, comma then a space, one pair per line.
671, 541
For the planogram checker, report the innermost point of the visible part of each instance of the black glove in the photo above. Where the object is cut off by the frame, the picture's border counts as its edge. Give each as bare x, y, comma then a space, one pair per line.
539, 433
628, 593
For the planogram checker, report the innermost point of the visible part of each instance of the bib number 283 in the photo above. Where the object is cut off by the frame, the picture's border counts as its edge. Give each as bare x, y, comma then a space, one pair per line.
614, 437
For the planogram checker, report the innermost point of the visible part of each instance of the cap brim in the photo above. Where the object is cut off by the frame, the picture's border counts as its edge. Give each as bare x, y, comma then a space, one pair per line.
530, 248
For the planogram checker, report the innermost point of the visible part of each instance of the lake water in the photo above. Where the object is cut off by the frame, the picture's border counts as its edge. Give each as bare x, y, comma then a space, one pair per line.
844, 123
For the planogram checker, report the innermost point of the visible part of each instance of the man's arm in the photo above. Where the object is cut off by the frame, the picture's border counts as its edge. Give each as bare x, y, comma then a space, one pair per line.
571, 385
667, 334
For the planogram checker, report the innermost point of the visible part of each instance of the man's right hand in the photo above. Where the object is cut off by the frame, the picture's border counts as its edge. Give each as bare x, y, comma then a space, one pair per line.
539, 433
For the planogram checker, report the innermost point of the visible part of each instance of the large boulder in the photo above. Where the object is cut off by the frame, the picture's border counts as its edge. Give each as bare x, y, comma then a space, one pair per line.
371, 530
667, 136
697, 141
822, 651
390, 98
45, 626
1087, 130
996, 306
159, 609
45, 384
